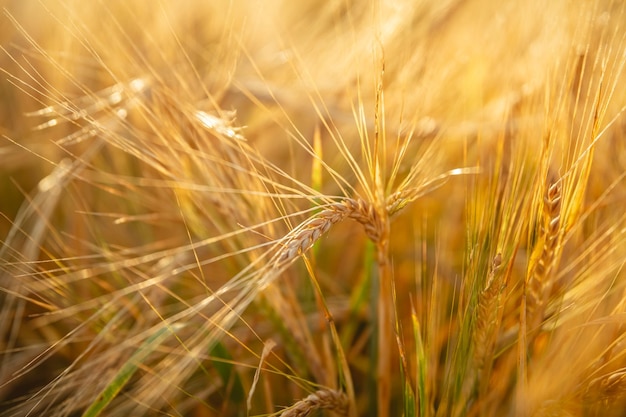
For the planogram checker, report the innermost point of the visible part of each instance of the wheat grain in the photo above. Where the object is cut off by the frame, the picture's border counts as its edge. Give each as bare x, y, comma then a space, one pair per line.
324, 399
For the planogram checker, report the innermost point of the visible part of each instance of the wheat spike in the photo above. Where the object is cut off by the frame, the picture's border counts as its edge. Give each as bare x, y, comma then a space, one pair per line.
302, 238
325, 399
540, 284
488, 305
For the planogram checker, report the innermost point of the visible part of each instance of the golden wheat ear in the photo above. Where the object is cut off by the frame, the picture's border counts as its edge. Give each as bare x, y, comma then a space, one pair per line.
330, 400
541, 281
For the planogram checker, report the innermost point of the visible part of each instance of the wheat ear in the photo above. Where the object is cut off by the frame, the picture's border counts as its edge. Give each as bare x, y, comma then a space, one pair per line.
325, 399
302, 238
539, 284
487, 314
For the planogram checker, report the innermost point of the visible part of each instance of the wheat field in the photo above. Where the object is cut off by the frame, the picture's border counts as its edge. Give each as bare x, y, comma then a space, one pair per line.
340, 208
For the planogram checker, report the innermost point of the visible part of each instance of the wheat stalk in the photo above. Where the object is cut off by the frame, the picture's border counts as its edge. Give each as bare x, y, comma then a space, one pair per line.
324, 399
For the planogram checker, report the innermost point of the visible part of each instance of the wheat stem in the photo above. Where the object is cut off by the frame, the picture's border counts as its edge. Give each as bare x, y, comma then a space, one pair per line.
385, 331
